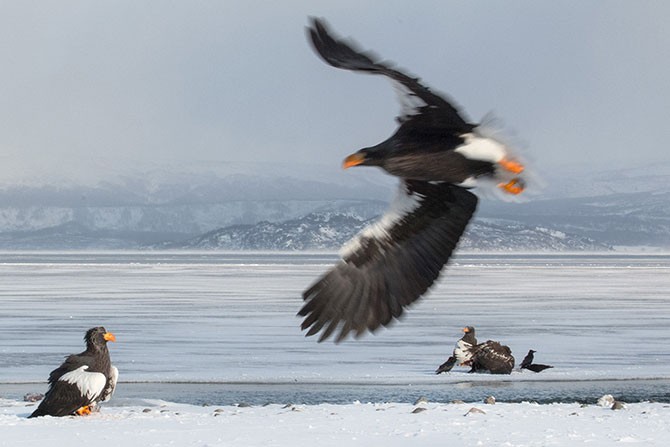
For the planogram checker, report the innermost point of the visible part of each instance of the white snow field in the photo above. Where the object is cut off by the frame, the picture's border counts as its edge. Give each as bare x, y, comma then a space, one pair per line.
158, 423
220, 328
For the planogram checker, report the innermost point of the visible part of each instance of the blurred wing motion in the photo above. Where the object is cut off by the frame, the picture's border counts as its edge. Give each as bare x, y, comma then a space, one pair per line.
391, 263
429, 109
435, 153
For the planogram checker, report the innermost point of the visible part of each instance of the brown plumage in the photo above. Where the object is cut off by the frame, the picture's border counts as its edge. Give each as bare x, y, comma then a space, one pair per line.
492, 357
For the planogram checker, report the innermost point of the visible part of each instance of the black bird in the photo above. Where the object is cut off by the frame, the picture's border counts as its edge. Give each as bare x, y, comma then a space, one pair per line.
83, 380
527, 363
462, 351
528, 359
538, 367
436, 154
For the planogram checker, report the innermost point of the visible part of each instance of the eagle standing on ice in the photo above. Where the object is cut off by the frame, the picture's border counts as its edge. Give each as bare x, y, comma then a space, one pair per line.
437, 155
83, 380
462, 351
490, 356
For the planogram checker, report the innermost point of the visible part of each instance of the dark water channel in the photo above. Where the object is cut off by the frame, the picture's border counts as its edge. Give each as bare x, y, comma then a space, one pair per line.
656, 390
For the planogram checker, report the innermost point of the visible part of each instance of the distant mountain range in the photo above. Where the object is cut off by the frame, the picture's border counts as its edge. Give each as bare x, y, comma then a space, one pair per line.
619, 219
328, 231
578, 211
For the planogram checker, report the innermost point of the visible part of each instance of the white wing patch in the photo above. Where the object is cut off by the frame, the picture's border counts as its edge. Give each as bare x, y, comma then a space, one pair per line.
91, 384
403, 204
462, 351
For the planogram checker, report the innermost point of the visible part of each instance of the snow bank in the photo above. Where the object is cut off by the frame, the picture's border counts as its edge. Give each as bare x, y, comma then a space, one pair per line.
145, 423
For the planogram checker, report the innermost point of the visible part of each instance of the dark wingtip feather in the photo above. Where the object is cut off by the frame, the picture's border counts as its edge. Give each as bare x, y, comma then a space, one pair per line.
308, 321
362, 295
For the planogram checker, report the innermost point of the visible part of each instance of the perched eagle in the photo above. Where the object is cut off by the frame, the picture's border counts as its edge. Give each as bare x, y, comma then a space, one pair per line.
83, 380
462, 351
490, 356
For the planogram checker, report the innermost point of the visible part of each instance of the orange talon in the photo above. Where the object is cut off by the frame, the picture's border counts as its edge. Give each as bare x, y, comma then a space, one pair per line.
84, 411
512, 166
514, 186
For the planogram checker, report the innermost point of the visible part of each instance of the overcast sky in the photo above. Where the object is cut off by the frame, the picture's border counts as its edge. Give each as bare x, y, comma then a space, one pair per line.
87, 86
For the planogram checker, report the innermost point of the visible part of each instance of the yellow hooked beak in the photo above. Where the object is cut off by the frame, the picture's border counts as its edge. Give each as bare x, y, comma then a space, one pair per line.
109, 336
353, 160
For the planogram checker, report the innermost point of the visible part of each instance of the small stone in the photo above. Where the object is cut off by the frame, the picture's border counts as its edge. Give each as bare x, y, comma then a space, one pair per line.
33, 397
146, 410
457, 401
606, 401
421, 400
618, 405
490, 400
474, 410
418, 410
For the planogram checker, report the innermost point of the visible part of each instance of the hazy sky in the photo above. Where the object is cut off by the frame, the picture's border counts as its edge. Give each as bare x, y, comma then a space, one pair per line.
87, 86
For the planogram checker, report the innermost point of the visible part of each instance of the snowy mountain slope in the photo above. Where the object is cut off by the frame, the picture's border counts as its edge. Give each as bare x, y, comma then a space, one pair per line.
612, 208
187, 219
329, 231
187, 204
631, 219
316, 231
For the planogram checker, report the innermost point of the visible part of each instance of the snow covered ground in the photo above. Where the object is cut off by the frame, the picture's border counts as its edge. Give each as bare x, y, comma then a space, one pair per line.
220, 328
158, 423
